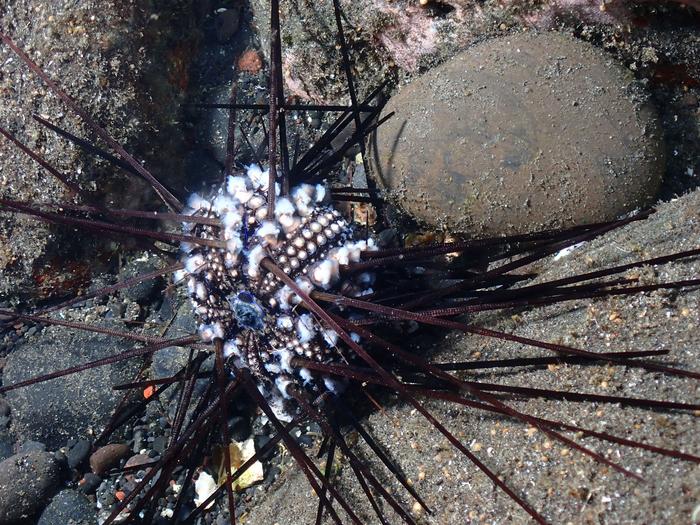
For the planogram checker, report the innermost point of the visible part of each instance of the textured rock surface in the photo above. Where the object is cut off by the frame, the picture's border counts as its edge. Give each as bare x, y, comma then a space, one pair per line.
564, 485
69, 507
520, 133
26, 483
75, 405
113, 58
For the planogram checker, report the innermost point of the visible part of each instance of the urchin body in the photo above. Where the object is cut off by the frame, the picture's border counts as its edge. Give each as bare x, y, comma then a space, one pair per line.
249, 309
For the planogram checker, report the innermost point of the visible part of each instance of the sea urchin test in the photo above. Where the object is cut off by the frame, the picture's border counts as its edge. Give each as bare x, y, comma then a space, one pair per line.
237, 301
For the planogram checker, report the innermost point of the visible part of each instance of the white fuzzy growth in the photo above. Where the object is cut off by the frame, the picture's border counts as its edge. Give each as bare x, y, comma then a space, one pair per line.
284, 298
282, 383
324, 273
303, 197
334, 386
277, 405
209, 332
258, 178
261, 214
179, 276
305, 374
197, 202
290, 223
201, 291
340, 255
329, 336
223, 204
305, 328
284, 206
354, 251
321, 192
256, 201
195, 264
230, 260
234, 245
306, 286
186, 247
232, 219
355, 337
268, 232
285, 322
273, 368
237, 187
230, 348
285, 358
191, 285
255, 257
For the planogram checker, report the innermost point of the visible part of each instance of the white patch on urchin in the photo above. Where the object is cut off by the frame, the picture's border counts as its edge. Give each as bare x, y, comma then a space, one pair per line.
305, 328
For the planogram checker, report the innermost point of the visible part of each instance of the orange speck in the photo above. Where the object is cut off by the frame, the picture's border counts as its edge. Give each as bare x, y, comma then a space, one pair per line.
120, 495
250, 62
148, 392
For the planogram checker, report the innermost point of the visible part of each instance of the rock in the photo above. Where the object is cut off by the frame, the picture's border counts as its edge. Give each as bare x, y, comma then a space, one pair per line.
6, 444
69, 507
227, 22
142, 292
74, 405
135, 461
4, 408
89, 483
108, 456
517, 134
27, 481
32, 446
78, 453
119, 57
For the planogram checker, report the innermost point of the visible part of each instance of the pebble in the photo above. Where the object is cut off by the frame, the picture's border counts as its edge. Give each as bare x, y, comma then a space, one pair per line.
227, 23
32, 446
520, 133
108, 456
4, 408
27, 481
90, 482
69, 507
78, 453
6, 444
136, 460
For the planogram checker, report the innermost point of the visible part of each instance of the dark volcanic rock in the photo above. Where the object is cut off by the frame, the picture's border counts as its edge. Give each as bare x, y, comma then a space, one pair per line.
74, 405
521, 133
78, 453
26, 483
69, 507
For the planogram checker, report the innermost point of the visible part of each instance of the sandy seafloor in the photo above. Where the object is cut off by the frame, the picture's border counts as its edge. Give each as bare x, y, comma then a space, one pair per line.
563, 485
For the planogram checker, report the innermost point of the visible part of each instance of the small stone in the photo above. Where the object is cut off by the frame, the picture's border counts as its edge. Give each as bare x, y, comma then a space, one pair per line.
135, 461
78, 453
69, 507
89, 483
227, 23
107, 457
159, 444
520, 133
32, 446
27, 481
